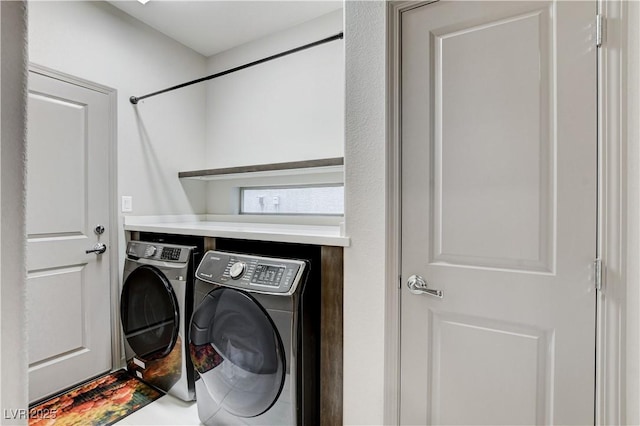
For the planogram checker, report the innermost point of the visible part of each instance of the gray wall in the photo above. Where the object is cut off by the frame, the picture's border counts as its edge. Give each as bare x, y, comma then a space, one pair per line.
250, 117
365, 204
289, 109
160, 136
13, 355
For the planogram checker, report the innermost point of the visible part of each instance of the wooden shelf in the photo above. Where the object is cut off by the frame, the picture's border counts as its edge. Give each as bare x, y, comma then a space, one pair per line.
308, 166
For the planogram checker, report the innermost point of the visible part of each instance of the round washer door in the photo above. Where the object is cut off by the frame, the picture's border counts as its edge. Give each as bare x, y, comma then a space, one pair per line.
236, 349
149, 313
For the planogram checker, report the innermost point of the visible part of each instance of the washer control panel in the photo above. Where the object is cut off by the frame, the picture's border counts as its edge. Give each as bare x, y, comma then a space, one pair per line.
252, 273
157, 251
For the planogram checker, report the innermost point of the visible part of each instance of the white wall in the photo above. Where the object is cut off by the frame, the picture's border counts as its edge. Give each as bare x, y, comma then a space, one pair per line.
365, 204
161, 135
288, 109
13, 358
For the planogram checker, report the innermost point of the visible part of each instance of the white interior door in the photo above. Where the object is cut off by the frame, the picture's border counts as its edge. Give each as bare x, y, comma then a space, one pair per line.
499, 212
68, 290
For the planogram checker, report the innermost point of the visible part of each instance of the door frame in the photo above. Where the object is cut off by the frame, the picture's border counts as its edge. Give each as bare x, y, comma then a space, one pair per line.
613, 217
116, 347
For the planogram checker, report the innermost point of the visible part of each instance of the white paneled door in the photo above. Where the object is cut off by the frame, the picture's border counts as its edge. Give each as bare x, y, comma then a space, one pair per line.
499, 212
68, 290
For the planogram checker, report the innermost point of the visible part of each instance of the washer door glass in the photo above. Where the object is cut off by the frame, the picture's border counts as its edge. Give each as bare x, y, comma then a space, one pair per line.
149, 313
236, 349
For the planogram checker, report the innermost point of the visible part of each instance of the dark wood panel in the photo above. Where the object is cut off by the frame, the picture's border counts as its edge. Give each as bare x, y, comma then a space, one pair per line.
209, 243
331, 335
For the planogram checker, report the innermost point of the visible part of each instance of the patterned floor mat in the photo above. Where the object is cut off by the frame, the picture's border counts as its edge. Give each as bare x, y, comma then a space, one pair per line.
100, 402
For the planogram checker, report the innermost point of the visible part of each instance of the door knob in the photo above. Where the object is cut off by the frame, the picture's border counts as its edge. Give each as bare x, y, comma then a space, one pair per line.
418, 285
99, 248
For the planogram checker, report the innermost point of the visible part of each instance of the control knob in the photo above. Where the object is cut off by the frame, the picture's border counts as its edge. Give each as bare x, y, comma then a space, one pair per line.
150, 251
237, 269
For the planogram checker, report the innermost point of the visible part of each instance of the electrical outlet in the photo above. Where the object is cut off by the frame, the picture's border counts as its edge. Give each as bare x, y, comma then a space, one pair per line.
127, 204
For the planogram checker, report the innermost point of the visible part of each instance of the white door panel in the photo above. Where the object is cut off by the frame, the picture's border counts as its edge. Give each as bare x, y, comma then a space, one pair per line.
66, 334
499, 212
68, 290
479, 168
63, 185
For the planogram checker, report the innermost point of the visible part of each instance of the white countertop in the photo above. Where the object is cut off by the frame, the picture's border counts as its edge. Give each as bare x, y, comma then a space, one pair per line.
325, 235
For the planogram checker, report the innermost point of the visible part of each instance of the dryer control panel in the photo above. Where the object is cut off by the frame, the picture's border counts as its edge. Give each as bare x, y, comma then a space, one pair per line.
158, 252
252, 273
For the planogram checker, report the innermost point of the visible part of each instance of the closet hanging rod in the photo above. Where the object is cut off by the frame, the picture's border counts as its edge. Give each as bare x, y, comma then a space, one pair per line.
134, 99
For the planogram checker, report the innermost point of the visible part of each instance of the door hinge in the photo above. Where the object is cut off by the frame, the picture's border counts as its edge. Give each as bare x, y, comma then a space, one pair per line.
597, 273
599, 30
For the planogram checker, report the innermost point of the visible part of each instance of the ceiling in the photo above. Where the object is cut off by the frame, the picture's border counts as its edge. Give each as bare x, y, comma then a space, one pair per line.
213, 26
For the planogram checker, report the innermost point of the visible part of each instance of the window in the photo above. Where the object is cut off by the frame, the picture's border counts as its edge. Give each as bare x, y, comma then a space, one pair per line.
297, 200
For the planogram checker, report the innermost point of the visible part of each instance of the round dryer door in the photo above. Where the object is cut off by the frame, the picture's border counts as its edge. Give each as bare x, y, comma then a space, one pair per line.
236, 349
149, 313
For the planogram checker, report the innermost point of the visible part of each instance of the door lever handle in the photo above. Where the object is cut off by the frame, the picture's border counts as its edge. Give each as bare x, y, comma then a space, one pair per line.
99, 248
418, 285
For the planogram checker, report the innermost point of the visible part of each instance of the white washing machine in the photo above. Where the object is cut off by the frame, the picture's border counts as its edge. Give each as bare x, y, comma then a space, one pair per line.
249, 344
155, 307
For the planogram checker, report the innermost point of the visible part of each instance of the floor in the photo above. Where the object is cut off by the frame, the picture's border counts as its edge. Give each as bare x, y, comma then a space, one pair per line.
165, 411
169, 410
